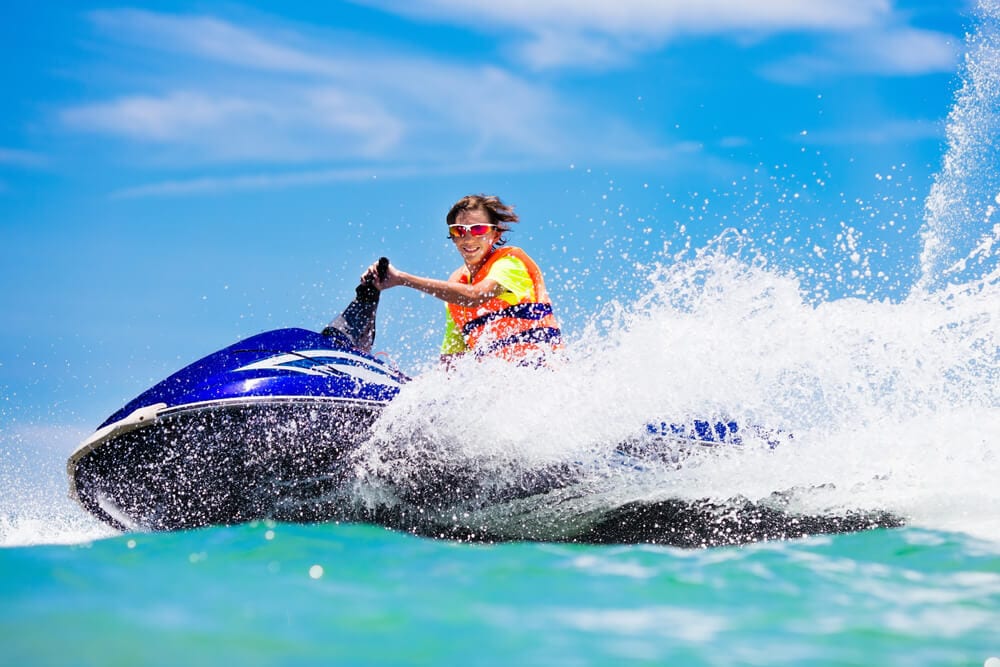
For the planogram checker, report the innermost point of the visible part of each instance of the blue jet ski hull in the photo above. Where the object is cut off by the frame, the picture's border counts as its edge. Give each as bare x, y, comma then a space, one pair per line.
254, 430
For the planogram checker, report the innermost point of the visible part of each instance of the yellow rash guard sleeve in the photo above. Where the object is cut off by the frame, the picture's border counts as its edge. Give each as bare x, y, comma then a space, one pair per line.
513, 275
453, 342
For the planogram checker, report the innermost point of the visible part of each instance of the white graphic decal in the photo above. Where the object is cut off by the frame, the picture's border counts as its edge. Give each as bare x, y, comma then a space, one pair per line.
325, 363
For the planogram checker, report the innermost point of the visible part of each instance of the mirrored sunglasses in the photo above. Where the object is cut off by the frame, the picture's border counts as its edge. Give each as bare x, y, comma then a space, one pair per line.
458, 231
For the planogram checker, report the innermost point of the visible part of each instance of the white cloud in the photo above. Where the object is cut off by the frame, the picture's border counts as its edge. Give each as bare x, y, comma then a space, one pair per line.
551, 49
300, 124
908, 51
585, 33
212, 39
165, 118
260, 181
273, 181
678, 154
20, 158
231, 93
660, 18
892, 52
210, 92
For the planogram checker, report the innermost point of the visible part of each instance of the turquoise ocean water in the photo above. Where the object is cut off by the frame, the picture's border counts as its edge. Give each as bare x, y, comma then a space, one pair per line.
352, 594
894, 406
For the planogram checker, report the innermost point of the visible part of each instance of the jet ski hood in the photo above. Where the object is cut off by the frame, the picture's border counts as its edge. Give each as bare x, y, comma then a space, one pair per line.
281, 364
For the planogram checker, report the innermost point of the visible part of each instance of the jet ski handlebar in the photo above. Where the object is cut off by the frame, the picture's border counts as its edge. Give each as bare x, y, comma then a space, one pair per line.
367, 292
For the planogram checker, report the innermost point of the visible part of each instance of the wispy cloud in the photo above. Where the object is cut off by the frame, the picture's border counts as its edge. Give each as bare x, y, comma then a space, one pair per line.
589, 33
302, 124
899, 51
907, 51
272, 180
257, 94
213, 39
13, 157
656, 18
204, 94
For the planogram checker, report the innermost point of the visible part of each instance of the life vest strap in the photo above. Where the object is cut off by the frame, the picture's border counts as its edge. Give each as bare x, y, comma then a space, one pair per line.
521, 311
550, 335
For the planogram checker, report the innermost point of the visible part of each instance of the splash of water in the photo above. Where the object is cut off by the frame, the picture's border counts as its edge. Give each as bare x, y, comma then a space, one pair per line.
35, 507
961, 235
892, 405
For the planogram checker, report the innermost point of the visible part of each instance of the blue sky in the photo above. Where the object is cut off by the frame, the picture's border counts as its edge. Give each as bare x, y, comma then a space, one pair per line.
175, 175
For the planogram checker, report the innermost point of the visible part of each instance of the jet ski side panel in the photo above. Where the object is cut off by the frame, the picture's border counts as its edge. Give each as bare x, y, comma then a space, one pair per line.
234, 435
221, 463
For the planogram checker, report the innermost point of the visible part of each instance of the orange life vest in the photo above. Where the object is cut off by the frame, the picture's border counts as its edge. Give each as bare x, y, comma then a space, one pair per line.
516, 332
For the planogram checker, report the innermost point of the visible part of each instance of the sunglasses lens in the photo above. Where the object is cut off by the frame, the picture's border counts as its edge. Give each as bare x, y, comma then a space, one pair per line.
458, 231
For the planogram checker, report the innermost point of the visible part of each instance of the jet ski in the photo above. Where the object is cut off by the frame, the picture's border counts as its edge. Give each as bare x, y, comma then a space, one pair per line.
254, 430
266, 428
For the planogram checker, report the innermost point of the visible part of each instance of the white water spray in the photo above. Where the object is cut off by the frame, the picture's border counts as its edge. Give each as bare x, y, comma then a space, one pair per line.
892, 405
961, 234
